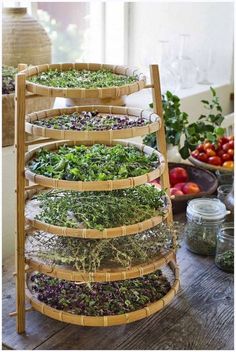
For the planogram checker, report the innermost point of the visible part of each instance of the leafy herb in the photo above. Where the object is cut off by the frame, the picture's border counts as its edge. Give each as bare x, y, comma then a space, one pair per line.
177, 125
98, 162
82, 79
225, 261
91, 255
8, 79
90, 121
99, 299
99, 210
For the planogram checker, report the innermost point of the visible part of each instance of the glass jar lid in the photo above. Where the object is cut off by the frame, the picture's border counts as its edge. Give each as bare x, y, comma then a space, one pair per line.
206, 210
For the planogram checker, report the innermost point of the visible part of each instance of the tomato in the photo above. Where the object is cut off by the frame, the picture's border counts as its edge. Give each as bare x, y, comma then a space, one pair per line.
210, 152
228, 164
200, 147
195, 154
225, 157
230, 152
220, 152
225, 147
231, 138
202, 157
214, 160
231, 144
223, 140
208, 145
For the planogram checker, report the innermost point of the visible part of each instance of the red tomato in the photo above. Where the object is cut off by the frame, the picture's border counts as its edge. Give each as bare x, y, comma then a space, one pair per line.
229, 164
210, 152
231, 144
220, 152
231, 138
200, 147
202, 157
230, 152
195, 154
214, 160
225, 157
225, 147
223, 140
208, 145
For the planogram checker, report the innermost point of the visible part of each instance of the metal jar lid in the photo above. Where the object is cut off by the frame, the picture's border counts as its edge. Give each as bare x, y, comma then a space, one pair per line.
206, 210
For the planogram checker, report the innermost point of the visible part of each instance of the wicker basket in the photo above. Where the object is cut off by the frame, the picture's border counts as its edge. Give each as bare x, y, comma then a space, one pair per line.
153, 125
112, 232
94, 185
82, 93
111, 319
105, 275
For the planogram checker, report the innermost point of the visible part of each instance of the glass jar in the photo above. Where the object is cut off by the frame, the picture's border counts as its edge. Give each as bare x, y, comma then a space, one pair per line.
204, 219
223, 191
225, 248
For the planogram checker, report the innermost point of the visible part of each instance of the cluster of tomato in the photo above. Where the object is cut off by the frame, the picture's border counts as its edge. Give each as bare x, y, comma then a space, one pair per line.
219, 154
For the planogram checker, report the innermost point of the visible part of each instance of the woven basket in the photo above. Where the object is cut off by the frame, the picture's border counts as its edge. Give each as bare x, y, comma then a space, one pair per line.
104, 275
111, 319
8, 114
113, 232
82, 93
94, 185
154, 123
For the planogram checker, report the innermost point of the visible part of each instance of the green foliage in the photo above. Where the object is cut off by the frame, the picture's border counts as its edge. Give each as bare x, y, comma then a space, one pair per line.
82, 79
95, 163
207, 125
99, 210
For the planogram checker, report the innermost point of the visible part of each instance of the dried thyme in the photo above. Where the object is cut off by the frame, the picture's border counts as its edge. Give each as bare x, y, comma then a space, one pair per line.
225, 261
99, 210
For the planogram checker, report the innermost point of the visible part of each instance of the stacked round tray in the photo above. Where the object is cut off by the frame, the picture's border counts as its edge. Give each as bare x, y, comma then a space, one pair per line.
109, 138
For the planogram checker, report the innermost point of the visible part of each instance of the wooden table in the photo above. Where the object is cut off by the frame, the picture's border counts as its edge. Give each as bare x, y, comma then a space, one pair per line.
200, 317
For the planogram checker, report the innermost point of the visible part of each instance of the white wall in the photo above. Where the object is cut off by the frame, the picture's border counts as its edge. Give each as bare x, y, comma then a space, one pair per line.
210, 24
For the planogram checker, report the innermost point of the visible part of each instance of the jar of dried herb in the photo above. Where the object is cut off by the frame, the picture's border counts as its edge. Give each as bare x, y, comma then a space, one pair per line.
204, 219
225, 248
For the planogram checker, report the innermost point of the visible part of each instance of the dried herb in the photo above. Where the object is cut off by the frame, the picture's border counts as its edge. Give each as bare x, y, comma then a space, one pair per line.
82, 79
99, 299
8, 79
92, 255
225, 261
201, 240
91, 121
95, 163
99, 210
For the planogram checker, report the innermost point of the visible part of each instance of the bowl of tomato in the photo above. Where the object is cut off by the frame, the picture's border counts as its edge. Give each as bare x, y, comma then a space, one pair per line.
188, 182
215, 156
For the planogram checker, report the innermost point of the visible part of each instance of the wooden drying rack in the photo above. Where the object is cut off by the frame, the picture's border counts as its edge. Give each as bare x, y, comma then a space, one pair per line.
22, 185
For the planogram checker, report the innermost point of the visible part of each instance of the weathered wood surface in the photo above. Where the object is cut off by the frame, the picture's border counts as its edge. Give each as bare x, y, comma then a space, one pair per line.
200, 317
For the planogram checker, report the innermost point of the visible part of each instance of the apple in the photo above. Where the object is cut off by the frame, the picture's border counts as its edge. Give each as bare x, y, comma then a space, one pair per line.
175, 192
177, 175
190, 188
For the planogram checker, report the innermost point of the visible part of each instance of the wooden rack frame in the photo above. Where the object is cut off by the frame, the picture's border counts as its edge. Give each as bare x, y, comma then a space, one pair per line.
21, 145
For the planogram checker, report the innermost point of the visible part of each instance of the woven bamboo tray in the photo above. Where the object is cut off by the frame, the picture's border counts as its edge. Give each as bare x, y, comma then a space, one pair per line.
207, 166
101, 93
104, 275
112, 232
94, 185
154, 123
112, 319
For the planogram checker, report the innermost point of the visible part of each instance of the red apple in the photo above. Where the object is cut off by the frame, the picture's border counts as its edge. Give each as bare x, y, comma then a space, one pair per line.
177, 175
191, 188
175, 192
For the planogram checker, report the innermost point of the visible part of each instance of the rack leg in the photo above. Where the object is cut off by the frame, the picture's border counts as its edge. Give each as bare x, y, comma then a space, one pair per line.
20, 202
160, 135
